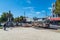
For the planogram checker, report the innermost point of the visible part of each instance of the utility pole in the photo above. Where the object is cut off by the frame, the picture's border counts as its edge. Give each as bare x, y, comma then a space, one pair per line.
24, 14
46, 15
24, 19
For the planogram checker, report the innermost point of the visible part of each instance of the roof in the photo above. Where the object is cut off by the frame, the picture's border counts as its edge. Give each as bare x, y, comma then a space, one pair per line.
55, 19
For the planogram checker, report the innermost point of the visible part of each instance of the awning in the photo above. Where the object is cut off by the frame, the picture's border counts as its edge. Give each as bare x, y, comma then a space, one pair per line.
55, 19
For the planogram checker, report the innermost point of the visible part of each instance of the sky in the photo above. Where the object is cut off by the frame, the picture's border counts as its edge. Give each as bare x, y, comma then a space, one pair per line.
31, 8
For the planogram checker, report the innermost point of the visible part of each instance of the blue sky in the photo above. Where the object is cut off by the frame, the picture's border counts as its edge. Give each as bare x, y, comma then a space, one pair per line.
32, 8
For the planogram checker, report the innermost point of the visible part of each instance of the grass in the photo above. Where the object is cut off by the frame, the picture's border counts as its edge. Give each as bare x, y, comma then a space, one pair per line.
1, 27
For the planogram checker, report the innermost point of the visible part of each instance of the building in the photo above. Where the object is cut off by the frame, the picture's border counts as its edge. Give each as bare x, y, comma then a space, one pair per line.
53, 9
29, 19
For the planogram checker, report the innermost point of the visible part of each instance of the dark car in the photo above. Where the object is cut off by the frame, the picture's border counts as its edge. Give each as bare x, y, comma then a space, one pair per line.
9, 24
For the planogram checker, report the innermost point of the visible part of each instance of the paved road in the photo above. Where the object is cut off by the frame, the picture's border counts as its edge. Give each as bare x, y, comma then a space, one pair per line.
28, 34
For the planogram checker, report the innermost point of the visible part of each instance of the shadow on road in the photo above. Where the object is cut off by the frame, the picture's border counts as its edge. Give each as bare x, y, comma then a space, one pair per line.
41, 28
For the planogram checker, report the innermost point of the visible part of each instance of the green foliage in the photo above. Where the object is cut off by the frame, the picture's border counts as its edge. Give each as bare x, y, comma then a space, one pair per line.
1, 27
5, 15
57, 7
18, 19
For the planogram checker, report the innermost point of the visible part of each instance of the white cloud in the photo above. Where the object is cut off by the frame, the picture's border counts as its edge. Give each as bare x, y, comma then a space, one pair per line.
28, 1
50, 8
30, 14
28, 8
38, 13
43, 11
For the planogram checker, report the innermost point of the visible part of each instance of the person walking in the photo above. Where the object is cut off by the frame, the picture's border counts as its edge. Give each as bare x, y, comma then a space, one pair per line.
4, 26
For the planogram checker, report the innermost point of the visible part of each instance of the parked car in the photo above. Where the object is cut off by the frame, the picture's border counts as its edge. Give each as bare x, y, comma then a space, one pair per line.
54, 24
27, 24
9, 24
43, 23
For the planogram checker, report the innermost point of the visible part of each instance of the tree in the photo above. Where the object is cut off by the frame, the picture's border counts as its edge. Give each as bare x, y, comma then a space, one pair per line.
16, 19
19, 19
57, 7
5, 15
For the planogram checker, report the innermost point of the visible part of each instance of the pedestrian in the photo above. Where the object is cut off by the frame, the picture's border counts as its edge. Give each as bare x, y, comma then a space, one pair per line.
4, 26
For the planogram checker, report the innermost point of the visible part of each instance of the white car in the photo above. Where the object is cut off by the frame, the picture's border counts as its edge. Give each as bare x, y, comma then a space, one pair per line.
53, 26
